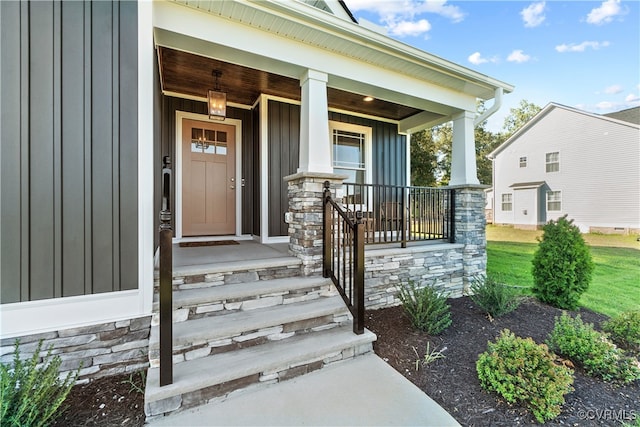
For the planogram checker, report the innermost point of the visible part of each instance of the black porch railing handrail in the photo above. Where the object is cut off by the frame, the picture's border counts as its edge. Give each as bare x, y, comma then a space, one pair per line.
343, 255
401, 214
166, 279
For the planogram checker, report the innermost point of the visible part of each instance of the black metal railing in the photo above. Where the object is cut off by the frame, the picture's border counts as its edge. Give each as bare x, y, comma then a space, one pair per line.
166, 273
343, 255
395, 214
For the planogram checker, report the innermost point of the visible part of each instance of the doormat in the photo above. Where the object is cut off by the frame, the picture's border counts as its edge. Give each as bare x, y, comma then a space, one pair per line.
213, 243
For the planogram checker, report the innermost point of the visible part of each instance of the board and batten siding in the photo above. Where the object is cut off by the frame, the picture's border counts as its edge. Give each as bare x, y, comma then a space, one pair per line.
388, 157
599, 174
69, 127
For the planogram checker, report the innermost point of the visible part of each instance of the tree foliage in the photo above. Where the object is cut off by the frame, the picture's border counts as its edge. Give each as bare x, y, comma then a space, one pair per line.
518, 116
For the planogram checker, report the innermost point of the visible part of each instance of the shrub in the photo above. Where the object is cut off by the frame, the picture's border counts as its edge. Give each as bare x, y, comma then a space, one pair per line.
624, 330
493, 297
591, 349
524, 372
31, 393
427, 309
562, 265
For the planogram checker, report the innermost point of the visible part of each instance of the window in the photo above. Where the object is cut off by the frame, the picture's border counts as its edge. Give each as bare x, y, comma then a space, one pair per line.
553, 162
507, 202
554, 200
351, 151
523, 162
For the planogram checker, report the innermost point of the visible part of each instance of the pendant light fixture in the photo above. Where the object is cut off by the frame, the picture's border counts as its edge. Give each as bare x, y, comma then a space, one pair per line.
217, 100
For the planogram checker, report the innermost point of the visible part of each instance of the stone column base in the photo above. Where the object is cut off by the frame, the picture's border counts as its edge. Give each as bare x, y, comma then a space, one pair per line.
305, 216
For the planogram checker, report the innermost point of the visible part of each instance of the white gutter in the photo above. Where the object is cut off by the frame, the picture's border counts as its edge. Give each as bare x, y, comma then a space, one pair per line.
497, 102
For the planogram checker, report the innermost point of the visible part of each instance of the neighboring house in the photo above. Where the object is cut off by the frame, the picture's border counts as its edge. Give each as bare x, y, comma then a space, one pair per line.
569, 162
96, 94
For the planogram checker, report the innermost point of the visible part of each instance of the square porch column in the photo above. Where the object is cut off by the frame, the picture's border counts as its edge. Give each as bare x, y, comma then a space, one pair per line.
463, 150
315, 146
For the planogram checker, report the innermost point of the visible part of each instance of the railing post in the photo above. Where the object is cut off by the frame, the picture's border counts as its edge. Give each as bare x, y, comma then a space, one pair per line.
166, 273
452, 216
326, 230
403, 216
358, 279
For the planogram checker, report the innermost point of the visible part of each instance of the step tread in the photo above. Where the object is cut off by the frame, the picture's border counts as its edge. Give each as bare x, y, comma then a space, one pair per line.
210, 328
232, 266
190, 297
278, 355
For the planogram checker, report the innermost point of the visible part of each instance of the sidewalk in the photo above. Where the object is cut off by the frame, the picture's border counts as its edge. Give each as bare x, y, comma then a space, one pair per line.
362, 392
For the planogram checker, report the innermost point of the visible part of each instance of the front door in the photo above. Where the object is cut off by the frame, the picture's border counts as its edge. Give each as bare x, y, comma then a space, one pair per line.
208, 178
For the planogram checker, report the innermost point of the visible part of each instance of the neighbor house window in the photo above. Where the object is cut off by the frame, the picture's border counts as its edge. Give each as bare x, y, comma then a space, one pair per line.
507, 202
553, 162
523, 162
554, 200
351, 151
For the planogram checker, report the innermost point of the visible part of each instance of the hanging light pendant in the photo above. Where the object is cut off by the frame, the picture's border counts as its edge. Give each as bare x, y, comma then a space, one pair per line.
217, 100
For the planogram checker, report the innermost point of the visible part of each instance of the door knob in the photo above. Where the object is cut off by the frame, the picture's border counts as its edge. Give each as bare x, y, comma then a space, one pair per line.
233, 187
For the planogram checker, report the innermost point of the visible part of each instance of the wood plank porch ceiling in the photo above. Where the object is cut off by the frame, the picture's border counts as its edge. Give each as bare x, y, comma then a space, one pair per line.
190, 74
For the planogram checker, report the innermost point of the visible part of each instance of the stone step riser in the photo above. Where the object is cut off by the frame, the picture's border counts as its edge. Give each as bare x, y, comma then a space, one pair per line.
223, 391
222, 306
204, 279
200, 349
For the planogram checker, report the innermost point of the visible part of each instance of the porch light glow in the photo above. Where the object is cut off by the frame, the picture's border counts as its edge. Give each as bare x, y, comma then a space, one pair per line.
368, 98
217, 100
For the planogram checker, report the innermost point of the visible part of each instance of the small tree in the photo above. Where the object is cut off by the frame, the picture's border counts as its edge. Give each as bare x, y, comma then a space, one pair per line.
562, 265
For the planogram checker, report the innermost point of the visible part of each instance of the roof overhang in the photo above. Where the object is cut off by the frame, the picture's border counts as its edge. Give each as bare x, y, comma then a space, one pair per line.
527, 185
288, 38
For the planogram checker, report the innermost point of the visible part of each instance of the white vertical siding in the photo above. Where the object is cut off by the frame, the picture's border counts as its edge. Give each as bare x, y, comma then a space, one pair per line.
599, 173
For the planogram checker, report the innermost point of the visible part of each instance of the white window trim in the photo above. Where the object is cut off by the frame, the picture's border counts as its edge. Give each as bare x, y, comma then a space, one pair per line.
554, 201
546, 163
502, 202
368, 133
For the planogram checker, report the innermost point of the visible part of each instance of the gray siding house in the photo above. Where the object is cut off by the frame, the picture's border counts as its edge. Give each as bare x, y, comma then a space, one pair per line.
569, 162
110, 117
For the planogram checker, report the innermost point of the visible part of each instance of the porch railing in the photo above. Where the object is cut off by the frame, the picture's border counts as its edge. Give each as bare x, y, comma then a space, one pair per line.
166, 273
395, 214
343, 259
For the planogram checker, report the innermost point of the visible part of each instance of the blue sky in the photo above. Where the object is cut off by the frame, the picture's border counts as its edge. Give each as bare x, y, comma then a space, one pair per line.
584, 54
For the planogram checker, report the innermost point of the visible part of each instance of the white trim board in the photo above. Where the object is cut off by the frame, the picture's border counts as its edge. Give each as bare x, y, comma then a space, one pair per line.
177, 173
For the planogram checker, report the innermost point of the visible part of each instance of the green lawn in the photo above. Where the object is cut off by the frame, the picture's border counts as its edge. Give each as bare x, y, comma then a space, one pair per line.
615, 286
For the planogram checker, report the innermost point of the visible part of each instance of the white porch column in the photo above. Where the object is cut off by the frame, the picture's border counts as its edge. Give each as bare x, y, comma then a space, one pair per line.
463, 150
315, 146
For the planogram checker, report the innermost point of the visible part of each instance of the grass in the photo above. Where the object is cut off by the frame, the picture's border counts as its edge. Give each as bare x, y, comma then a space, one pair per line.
615, 286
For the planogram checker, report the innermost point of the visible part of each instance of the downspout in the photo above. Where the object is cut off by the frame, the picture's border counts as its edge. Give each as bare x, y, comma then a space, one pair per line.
495, 107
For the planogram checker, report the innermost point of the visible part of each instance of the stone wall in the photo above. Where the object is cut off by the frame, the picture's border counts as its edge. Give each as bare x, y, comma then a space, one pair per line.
103, 349
470, 231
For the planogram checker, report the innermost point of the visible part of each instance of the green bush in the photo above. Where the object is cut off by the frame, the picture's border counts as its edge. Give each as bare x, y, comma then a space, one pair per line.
562, 265
624, 330
30, 392
495, 298
427, 309
524, 372
591, 349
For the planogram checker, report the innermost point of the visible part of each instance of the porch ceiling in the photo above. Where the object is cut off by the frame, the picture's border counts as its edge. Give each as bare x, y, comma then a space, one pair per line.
191, 75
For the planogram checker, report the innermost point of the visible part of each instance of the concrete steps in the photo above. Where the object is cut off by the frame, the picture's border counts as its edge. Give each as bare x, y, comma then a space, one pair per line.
247, 324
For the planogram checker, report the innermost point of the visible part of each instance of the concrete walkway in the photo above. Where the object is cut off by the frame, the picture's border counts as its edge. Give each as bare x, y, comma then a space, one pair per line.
361, 392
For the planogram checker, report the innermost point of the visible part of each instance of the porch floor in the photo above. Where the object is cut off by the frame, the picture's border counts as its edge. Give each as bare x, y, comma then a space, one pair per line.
244, 250
364, 391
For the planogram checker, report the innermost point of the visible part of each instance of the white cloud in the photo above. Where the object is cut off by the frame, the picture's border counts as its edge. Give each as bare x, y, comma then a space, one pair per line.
605, 105
518, 56
533, 15
605, 13
632, 97
406, 17
572, 47
611, 90
408, 28
476, 58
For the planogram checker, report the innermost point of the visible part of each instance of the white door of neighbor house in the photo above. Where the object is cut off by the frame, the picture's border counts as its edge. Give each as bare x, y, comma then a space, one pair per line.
525, 206
208, 178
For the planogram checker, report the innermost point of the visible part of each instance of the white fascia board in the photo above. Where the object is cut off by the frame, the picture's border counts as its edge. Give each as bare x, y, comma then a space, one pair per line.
190, 30
32, 317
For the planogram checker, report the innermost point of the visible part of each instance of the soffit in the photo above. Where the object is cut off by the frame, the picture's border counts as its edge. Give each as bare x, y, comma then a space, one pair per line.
189, 74
309, 25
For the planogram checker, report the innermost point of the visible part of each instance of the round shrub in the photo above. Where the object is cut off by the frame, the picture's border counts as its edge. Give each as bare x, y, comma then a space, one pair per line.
524, 372
562, 265
591, 349
624, 330
495, 298
426, 308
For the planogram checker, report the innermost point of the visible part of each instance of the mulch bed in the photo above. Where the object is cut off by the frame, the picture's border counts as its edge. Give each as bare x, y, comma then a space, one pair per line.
452, 381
